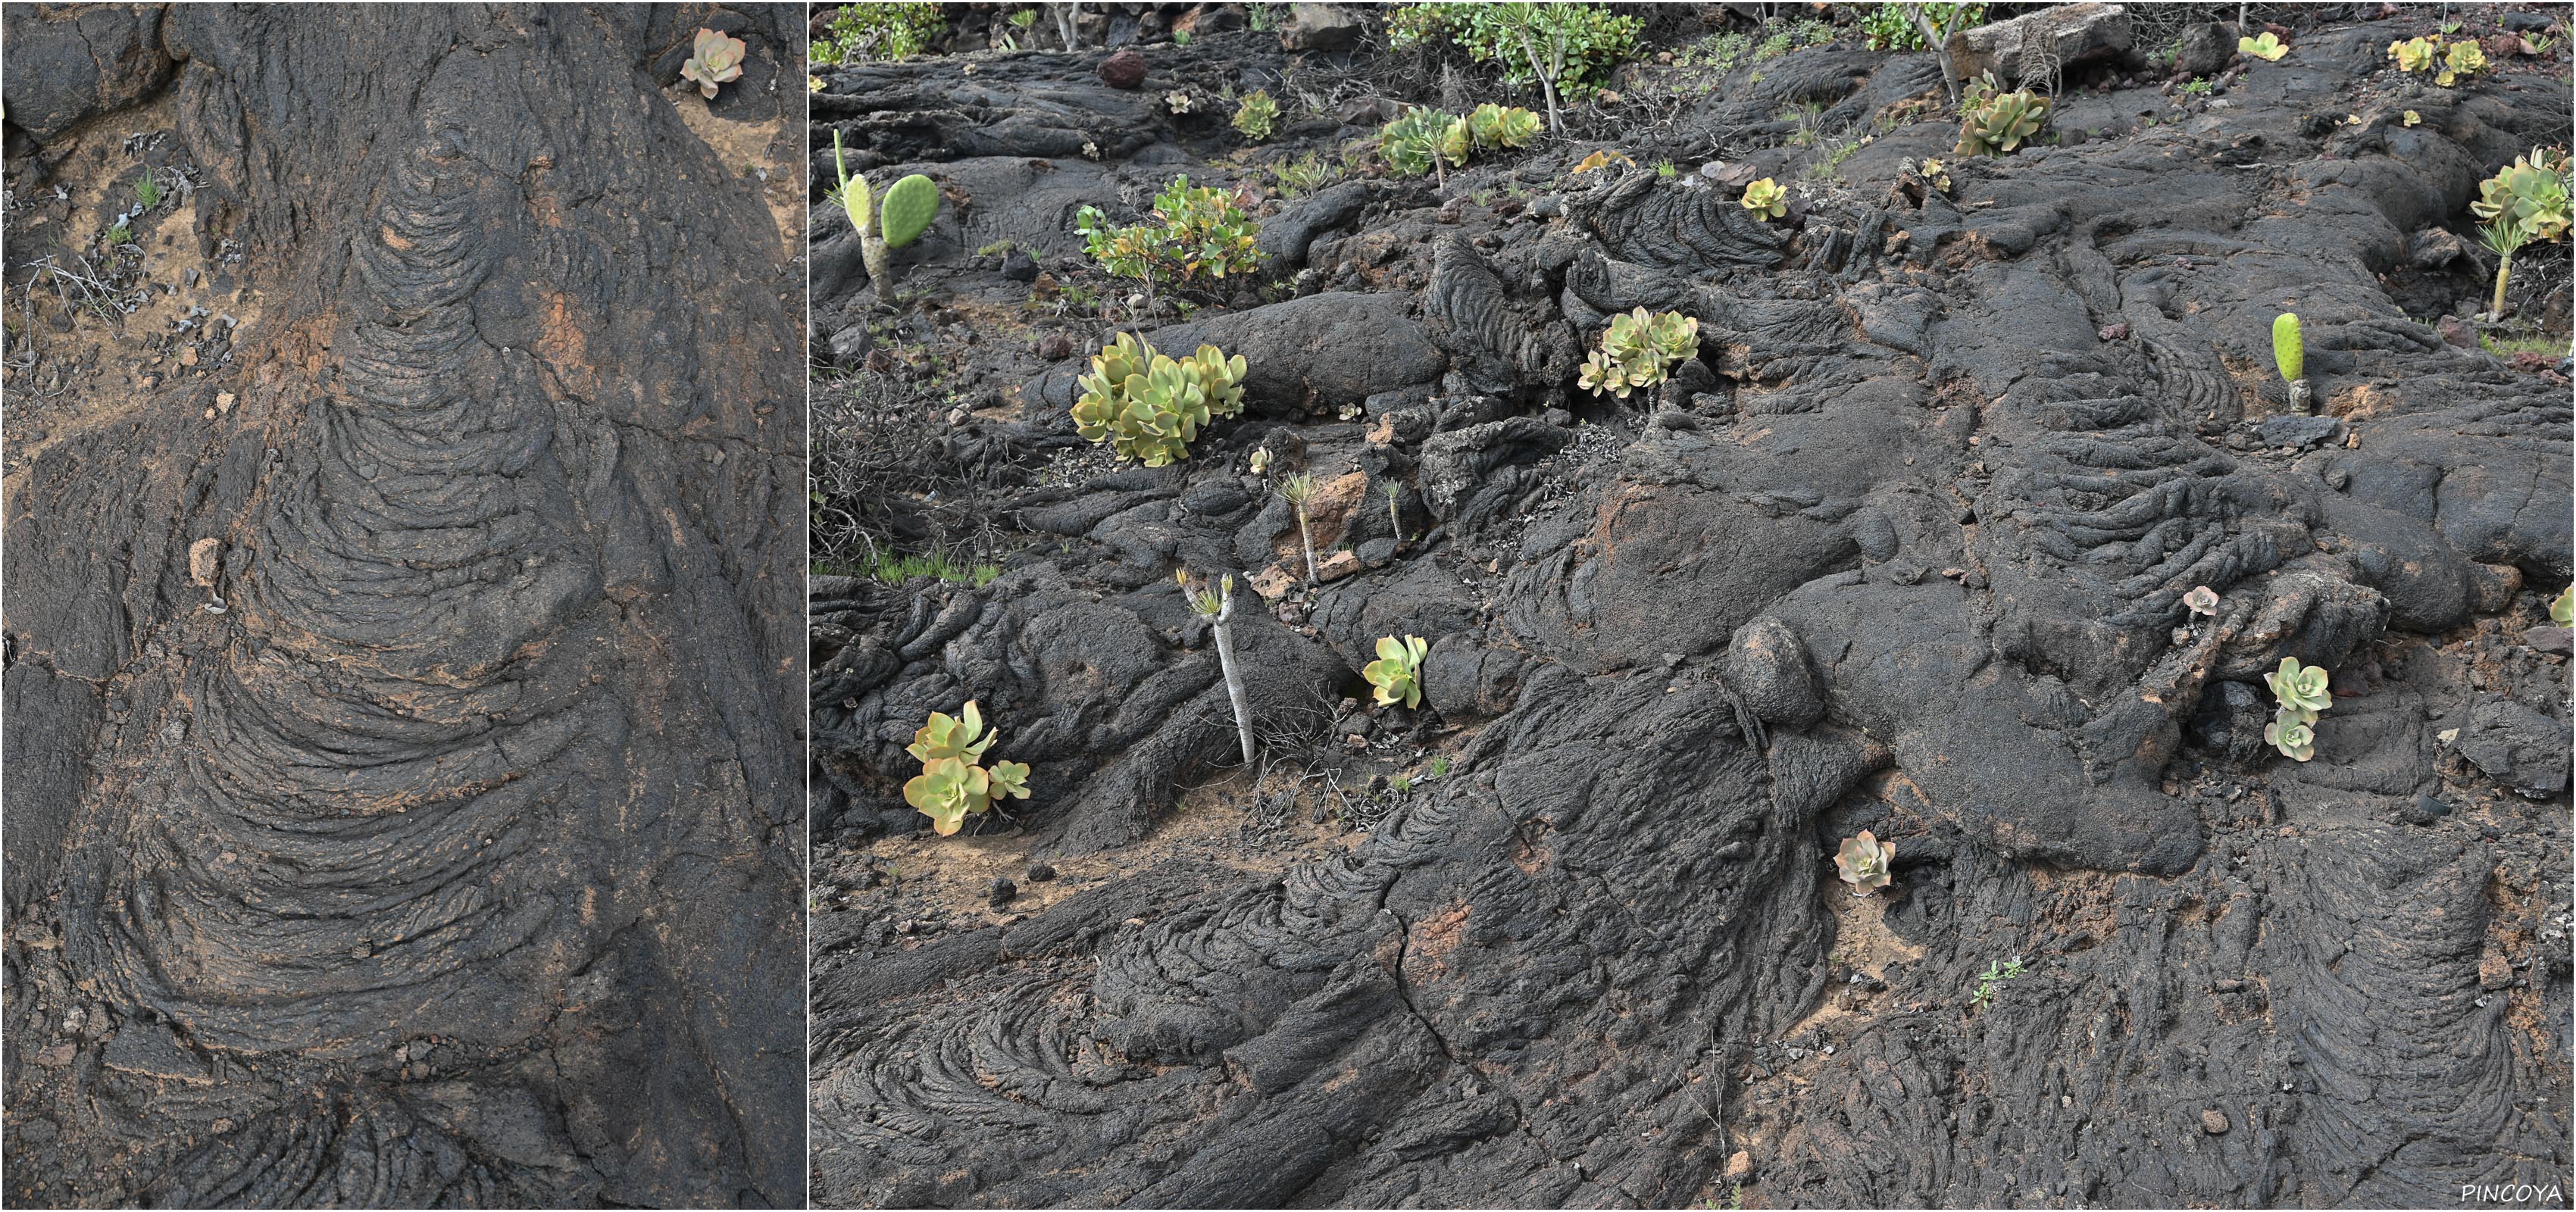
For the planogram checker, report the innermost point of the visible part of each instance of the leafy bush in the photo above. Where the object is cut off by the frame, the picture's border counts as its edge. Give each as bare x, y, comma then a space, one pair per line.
1863, 862
1636, 349
952, 785
1595, 41
1257, 115
1767, 198
1890, 27
1996, 122
1397, 671
889, 30
1150, 407
1195, 231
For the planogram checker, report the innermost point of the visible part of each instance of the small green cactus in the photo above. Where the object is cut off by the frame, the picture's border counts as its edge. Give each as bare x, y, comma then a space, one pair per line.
1636, 350
1864, 862
2300, 688
1150, 407
1767, 198
1257, 115
717, 60
1996, 122
908, 208
1397, 671
883, 224
951, 785
2289, 349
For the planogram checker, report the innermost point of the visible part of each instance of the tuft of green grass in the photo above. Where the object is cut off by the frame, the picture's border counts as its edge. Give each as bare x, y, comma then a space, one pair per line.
2510, 346
147, 190
895, 570
1304, 175
119, 236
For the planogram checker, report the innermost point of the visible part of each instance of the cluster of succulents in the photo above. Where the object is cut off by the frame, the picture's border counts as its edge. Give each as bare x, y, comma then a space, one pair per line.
1767, 198
1637, 350
1865, 862
2265, 47
1149, 406
1397, 671
1196, 231
884, 223
716, 59
2448, 61
1256, 115
1427, 140
2302, 693
953, 783
1994, 122
2523, 202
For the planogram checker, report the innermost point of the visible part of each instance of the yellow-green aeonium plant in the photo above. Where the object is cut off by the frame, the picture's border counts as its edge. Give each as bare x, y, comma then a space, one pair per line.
1864, 862
1397, 671
2302, 692
952, 784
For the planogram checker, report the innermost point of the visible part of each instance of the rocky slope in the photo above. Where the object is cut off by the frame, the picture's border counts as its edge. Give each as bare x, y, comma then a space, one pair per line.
1904, 548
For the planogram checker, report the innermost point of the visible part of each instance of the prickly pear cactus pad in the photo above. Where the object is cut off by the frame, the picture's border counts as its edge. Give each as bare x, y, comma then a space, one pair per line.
1768, 448
404, 653
909, 206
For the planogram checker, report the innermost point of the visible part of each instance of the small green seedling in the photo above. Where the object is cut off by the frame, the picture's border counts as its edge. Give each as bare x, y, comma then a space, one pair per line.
1994, 975
886, 223
1863, 862
717, 60
1397, 671
952, 785
1394, 492
1767, 198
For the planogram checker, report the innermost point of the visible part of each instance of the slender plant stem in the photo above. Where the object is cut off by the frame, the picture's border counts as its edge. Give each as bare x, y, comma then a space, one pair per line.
1233, 677
1307, 536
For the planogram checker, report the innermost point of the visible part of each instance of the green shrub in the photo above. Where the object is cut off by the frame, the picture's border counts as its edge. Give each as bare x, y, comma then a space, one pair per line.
1397, 671
1889, 27
1195, 232
881, 29
1636, 349
1995, 122
1595, 40
1150, 407
952, 785
1257, 115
